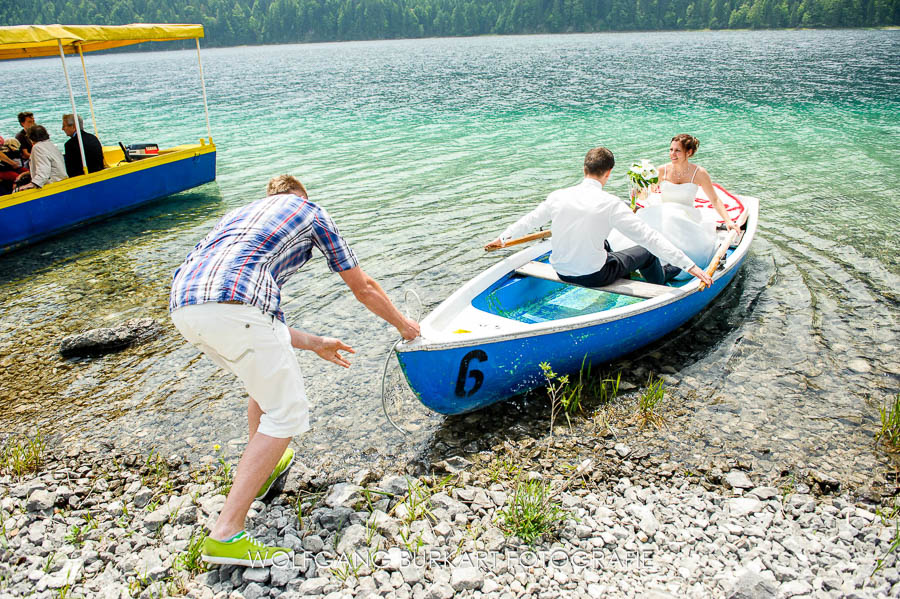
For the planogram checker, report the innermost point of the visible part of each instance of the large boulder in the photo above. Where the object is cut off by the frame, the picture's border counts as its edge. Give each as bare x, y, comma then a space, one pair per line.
96, 342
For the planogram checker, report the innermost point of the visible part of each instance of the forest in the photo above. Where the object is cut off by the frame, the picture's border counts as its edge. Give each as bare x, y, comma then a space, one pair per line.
236, 22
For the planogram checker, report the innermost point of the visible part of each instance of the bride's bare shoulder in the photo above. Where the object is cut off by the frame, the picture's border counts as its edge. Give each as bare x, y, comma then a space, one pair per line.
701, 172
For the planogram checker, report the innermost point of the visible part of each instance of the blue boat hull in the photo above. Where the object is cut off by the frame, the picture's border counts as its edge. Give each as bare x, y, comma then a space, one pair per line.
29, 216
462, 379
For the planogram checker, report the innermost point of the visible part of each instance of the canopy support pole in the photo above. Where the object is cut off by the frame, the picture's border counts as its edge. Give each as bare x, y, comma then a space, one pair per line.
87, 86
62, 56
203, 87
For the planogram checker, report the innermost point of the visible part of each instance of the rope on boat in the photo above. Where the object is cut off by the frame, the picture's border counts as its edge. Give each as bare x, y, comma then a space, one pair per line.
384, 400
387, 360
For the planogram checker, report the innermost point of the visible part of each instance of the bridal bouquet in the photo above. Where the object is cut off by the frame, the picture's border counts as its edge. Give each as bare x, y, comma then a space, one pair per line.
641, 175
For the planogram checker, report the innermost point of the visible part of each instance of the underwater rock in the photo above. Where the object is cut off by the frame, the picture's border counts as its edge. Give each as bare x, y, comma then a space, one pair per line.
97, 342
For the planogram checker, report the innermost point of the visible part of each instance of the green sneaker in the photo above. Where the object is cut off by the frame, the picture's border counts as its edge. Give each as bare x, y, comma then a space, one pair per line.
281, 468
244, 550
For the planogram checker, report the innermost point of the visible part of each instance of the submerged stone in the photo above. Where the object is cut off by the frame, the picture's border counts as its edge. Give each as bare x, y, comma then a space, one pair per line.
97, 342
859, 365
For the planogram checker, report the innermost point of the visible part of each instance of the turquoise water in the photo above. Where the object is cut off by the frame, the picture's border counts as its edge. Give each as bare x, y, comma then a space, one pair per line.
423, 150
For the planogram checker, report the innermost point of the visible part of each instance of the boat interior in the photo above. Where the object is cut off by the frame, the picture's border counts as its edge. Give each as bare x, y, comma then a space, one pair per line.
533, 294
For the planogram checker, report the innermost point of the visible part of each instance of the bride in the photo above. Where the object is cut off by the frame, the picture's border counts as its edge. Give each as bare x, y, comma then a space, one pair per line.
676, 217
680, 180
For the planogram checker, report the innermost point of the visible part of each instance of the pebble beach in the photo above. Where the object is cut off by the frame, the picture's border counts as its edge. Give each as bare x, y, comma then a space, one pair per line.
99, 524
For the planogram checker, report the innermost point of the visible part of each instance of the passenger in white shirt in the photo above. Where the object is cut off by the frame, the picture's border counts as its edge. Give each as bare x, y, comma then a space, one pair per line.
582, 217
47, 162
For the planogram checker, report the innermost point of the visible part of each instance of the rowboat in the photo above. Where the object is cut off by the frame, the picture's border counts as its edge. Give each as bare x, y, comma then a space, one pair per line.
127, 182
485, 342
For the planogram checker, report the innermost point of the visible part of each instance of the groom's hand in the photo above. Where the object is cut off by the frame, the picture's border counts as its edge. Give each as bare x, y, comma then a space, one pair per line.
701, 274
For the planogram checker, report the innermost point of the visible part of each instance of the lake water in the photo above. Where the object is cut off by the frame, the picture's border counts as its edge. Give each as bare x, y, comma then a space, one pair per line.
423, 150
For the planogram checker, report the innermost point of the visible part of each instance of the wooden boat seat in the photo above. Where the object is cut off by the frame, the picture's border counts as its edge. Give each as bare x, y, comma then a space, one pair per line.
542, 270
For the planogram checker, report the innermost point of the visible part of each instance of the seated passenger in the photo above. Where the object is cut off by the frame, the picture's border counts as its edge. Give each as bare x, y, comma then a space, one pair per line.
47, 163
93, 150
10, 164
26, 119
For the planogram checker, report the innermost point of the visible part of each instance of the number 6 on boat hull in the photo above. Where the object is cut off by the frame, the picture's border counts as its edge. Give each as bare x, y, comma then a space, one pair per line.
475, 354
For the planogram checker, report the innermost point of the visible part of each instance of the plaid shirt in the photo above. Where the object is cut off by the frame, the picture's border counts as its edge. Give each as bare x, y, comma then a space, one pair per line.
254, 249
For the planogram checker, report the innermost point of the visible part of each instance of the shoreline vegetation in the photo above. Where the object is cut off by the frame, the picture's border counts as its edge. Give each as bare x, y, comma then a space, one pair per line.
257, 22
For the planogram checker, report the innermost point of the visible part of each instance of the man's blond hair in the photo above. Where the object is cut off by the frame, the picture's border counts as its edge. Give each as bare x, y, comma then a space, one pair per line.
285, 184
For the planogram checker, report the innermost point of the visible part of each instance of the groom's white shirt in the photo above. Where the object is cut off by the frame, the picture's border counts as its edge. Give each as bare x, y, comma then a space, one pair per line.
583, 216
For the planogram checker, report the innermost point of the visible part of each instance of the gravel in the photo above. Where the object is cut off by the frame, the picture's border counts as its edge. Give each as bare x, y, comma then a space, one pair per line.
113, 526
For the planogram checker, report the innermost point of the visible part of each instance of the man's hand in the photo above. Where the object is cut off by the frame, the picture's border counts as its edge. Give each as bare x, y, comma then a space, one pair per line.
732, 226
327, 349
701, 274
410, 329
494, 245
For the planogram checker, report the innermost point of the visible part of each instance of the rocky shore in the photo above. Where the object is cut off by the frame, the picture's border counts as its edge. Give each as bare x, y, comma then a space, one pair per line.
621, 525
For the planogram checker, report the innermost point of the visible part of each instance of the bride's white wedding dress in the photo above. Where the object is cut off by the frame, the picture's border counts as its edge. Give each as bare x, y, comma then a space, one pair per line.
679, 222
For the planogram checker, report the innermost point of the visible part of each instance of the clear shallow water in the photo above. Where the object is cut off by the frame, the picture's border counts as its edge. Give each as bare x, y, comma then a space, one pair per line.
422, 150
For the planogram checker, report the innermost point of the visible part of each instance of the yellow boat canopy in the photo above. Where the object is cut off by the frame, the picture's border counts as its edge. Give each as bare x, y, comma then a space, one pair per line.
29, 41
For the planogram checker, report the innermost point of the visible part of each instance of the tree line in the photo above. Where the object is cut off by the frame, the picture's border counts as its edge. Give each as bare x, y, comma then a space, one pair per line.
235, 22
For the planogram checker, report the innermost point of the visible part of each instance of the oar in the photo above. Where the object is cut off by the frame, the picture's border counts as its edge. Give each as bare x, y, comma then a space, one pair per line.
718, 257
525, 239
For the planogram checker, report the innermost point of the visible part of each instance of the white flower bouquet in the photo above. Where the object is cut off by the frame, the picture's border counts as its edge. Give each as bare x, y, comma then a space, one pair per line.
641, 175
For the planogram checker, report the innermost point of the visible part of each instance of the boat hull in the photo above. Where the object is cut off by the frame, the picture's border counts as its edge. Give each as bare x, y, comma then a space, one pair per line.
29, 216
461, 379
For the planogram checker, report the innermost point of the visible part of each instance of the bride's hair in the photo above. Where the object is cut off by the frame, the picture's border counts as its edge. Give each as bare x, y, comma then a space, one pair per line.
688, 142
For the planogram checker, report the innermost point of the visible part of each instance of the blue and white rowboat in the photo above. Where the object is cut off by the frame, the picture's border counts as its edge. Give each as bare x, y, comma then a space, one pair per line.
485, 342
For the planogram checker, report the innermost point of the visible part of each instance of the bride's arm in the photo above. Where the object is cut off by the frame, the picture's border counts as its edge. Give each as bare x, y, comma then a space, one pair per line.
661, 170
706, 183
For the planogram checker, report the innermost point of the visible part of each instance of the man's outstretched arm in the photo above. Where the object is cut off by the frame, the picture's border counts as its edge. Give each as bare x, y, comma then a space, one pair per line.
372, 296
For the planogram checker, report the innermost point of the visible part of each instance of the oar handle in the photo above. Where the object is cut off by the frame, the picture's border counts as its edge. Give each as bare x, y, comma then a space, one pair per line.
525, 239
720, 253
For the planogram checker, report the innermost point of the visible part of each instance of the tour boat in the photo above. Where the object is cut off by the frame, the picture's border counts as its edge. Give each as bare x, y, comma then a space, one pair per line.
132, 177
486, 341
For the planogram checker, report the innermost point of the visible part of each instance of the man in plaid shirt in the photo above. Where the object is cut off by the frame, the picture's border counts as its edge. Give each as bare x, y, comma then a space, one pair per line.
226, 299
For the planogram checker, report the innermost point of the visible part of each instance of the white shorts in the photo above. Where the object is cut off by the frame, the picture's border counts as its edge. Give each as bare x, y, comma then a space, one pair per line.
256, 348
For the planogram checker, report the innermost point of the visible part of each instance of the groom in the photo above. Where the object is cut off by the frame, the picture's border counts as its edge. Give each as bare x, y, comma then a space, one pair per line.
582, 217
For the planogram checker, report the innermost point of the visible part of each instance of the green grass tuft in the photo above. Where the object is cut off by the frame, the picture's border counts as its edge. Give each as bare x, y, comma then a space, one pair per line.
190, 560
649, 403
20, 456
890, 423
531, 513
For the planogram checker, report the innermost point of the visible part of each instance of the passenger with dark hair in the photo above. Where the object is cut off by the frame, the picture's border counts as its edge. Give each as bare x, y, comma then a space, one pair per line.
47, 162
93, 149
26, 120
583, 217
